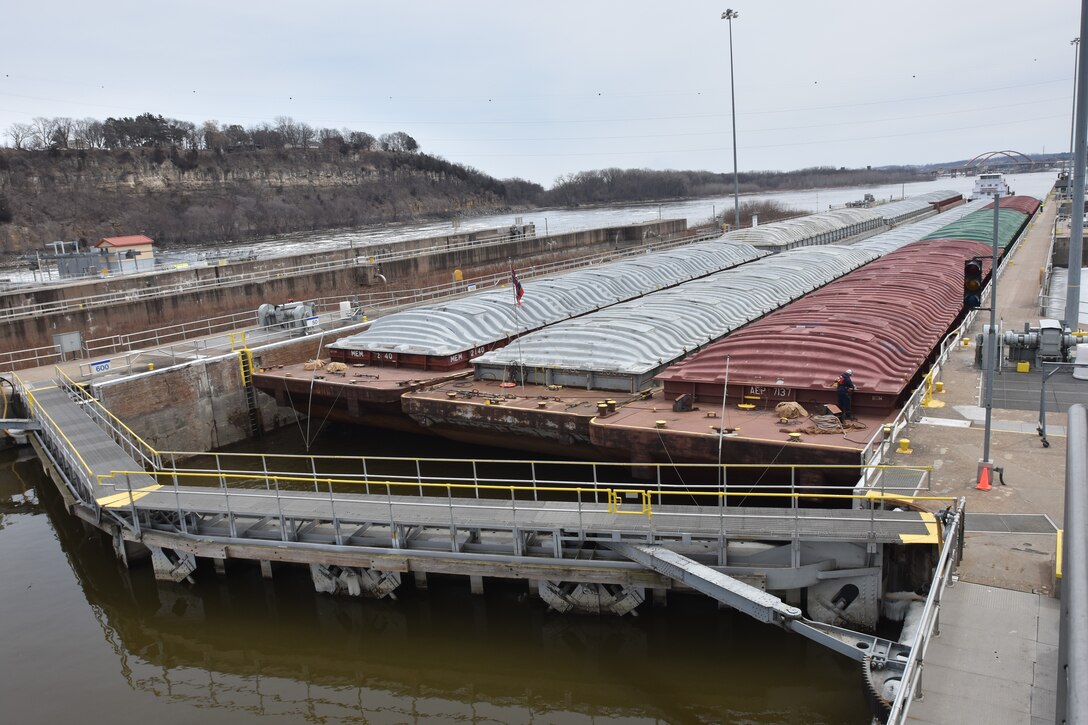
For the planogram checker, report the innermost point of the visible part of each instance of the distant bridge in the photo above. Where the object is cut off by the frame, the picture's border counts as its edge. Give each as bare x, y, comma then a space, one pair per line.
1004, 160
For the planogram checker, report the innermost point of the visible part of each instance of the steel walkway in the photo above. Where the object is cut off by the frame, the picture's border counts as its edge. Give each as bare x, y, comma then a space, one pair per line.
331, 516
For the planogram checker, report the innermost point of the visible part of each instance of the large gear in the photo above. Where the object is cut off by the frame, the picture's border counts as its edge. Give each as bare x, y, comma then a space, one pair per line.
882, 684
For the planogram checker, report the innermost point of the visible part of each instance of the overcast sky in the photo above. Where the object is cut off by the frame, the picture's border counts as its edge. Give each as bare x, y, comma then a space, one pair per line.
541, 89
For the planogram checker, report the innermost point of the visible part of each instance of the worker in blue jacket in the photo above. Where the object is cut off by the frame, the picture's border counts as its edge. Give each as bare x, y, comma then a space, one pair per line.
844, 386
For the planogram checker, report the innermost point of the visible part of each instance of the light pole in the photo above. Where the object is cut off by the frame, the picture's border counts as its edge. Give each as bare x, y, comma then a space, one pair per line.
1075, 42
730, 15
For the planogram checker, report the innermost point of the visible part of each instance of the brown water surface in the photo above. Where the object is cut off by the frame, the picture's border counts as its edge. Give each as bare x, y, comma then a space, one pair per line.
87, 641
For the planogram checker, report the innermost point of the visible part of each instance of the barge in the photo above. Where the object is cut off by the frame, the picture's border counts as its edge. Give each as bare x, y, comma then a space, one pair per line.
568, 372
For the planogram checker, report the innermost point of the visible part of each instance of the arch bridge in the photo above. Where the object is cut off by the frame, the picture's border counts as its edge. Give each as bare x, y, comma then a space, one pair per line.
1003, 160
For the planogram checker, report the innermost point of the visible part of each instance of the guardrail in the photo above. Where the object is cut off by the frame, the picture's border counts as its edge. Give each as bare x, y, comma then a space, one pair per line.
686, 478
497, 496
133, 445
1072, 695
879, 445
230, 277
372, 304
78, 476
910, 687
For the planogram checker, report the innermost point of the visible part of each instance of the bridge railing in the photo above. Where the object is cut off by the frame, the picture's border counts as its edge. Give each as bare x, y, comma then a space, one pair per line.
372, 304
133, 445
880, 445
910, 687
520, 503
77, 474
684, 477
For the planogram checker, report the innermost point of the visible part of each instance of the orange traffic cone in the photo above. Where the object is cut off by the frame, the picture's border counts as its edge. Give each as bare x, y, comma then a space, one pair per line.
984, 479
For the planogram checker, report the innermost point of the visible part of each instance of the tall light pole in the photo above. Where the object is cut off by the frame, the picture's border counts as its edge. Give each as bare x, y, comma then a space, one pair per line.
730, 15
1075, 42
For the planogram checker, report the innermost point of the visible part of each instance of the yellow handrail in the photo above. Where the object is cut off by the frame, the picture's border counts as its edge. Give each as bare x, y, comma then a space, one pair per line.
613, 494
106, 410
35, 406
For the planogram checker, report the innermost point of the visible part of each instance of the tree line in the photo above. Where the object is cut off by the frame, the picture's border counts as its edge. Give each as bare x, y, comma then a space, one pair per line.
607, 186
155, 131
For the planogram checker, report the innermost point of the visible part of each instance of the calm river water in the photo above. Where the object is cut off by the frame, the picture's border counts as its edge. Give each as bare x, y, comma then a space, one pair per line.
87, 640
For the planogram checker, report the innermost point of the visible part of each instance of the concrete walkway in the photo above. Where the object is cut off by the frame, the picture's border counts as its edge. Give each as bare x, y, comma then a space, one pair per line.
995, 660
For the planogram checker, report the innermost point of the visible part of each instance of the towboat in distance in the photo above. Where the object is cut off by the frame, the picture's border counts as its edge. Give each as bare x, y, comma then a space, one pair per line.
986, 185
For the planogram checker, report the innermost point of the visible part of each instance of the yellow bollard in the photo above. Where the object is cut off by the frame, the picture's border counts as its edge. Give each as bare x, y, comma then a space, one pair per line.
904, 446
150, 367
940, 386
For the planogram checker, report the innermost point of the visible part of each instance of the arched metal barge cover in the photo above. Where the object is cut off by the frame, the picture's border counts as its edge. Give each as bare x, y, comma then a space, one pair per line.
898, 212
813, 229
882, 321
623, 347
443, 336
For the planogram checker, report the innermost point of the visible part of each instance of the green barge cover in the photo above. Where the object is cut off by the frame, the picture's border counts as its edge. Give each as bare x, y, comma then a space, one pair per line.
979, 226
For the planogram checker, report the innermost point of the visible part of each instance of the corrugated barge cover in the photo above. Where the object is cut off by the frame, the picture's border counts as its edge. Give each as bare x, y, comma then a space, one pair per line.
1026, 204
895, 211
456, 326
809, 230
638, 337
882, 320
979, 226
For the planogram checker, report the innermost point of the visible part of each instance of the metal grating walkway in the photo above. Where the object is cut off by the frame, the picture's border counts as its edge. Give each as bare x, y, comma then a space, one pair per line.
1009, 524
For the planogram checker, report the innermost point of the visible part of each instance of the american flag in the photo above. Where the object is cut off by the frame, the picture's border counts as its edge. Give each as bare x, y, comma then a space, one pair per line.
519, 291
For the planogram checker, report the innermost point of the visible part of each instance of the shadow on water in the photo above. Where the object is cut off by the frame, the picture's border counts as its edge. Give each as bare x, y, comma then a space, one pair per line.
244, 647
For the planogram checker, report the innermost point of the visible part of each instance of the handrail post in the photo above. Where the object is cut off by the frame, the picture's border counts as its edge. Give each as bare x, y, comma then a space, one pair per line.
335, 519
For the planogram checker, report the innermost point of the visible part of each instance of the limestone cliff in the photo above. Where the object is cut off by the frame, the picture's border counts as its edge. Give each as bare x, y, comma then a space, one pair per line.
180, 197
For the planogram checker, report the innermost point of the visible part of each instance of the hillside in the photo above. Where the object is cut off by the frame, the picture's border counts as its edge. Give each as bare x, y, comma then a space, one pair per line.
183, 197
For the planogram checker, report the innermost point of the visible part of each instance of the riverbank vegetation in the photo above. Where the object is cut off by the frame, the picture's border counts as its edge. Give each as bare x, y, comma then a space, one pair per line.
183, 183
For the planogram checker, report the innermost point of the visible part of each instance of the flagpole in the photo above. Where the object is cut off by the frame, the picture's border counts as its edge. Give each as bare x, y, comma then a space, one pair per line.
721, 428
517, 332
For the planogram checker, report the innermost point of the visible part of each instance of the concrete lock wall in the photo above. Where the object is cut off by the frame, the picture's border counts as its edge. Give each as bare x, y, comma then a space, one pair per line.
201, 405
126, 317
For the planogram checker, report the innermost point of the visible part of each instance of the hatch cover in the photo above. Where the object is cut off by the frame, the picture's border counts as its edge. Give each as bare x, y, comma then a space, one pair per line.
1009, 524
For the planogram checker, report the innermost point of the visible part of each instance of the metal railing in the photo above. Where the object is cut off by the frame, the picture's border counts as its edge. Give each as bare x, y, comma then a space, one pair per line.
78, 476
1072, 690
692, 478
505, 505
133, 445
232, 277
910, 687
880, 445
373, 305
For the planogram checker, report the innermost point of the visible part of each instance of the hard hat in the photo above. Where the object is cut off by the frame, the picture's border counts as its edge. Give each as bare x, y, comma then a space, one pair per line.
849, 371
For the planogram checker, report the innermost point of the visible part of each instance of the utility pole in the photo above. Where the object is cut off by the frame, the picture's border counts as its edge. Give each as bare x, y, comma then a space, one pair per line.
1076, 226
991, 360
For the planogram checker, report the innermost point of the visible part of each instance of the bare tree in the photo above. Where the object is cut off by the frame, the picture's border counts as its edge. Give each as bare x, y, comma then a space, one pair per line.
289, 130
397, 141
305, 135
213, 137
21, 135
43, 132
361, 140
62, 132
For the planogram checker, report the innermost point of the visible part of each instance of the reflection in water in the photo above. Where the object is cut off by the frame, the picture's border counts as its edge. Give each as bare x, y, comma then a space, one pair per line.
240, 647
